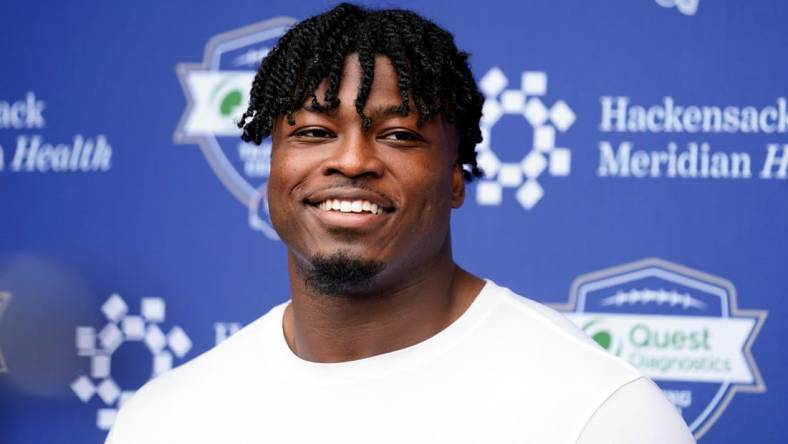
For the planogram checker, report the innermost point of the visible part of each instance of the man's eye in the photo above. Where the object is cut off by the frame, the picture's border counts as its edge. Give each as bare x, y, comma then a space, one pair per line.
403, 136
317, 133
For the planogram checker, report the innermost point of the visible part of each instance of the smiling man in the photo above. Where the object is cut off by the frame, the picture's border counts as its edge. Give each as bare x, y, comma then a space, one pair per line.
374, 117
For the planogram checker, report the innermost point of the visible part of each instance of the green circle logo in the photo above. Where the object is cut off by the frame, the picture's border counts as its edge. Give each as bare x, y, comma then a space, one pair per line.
230, 102
602, 336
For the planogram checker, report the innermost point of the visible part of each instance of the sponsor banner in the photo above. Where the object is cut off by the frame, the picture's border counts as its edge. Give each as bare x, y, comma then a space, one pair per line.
676, 348
688, 155
31, 152
596, 133
679, 326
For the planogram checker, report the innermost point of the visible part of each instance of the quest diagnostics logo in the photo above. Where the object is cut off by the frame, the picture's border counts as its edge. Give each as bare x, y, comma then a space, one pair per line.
121, 332
509, 159
678, 326
217, 91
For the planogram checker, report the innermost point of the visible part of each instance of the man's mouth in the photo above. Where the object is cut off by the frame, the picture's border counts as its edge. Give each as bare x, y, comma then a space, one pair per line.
350, 200
350, 206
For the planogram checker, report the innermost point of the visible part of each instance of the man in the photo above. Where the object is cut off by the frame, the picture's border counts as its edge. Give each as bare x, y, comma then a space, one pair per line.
374, 118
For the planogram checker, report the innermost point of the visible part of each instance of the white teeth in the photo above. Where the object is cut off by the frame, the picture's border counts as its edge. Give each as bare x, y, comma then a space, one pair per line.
348, 206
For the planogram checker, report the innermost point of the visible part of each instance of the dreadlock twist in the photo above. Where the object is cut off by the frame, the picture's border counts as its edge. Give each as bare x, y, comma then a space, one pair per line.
429, 66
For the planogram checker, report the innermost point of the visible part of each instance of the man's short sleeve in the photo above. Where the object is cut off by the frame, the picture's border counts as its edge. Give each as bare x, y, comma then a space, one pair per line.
636, 413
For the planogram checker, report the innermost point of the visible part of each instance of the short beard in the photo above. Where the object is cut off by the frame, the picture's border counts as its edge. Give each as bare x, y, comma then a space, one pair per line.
341, 274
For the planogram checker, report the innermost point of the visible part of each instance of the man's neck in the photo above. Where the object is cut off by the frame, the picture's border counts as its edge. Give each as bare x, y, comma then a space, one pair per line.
336, 328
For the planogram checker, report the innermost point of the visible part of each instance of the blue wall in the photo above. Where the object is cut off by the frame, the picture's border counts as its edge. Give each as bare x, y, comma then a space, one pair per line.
139, 255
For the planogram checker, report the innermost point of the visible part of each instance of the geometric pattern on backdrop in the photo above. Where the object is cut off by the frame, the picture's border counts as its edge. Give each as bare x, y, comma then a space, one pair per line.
525, 101
123, 328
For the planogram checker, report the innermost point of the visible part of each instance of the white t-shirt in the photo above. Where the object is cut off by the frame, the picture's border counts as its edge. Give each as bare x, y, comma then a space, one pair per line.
509, 370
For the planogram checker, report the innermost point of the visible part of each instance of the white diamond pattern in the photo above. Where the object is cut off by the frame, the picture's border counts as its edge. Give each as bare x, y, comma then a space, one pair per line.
120, 328
529, 101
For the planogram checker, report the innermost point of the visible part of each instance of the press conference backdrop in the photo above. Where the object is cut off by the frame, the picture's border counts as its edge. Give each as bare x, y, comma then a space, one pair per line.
636, 154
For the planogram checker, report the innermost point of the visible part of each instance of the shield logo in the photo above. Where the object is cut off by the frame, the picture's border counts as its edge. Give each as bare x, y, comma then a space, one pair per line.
678, 326
217, 91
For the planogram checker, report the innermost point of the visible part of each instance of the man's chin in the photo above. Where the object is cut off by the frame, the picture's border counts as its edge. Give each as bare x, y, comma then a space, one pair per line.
341, 273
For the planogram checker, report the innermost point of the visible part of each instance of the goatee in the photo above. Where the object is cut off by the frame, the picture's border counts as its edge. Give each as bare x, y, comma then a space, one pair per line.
341, 274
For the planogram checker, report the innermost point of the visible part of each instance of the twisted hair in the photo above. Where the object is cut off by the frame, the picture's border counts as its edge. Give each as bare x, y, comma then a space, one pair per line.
429, 67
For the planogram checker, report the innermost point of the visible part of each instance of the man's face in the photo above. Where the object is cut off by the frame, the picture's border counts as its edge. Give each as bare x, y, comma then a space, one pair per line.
381, 195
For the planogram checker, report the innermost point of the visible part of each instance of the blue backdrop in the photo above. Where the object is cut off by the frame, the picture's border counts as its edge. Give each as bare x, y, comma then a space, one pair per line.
637, 160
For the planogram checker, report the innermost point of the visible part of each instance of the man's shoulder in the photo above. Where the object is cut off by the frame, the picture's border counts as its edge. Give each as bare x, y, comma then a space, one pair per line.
546, 343
233, 356
541, 316
198, 389
538, 354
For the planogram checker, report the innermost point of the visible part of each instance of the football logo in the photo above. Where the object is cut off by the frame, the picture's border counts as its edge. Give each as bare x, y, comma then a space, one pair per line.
217, 91
678, 326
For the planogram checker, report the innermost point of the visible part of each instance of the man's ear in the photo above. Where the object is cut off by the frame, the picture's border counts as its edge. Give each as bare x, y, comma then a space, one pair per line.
457, 186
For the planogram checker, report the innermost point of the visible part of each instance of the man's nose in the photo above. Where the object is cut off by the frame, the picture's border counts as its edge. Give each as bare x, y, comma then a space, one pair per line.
356, 155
